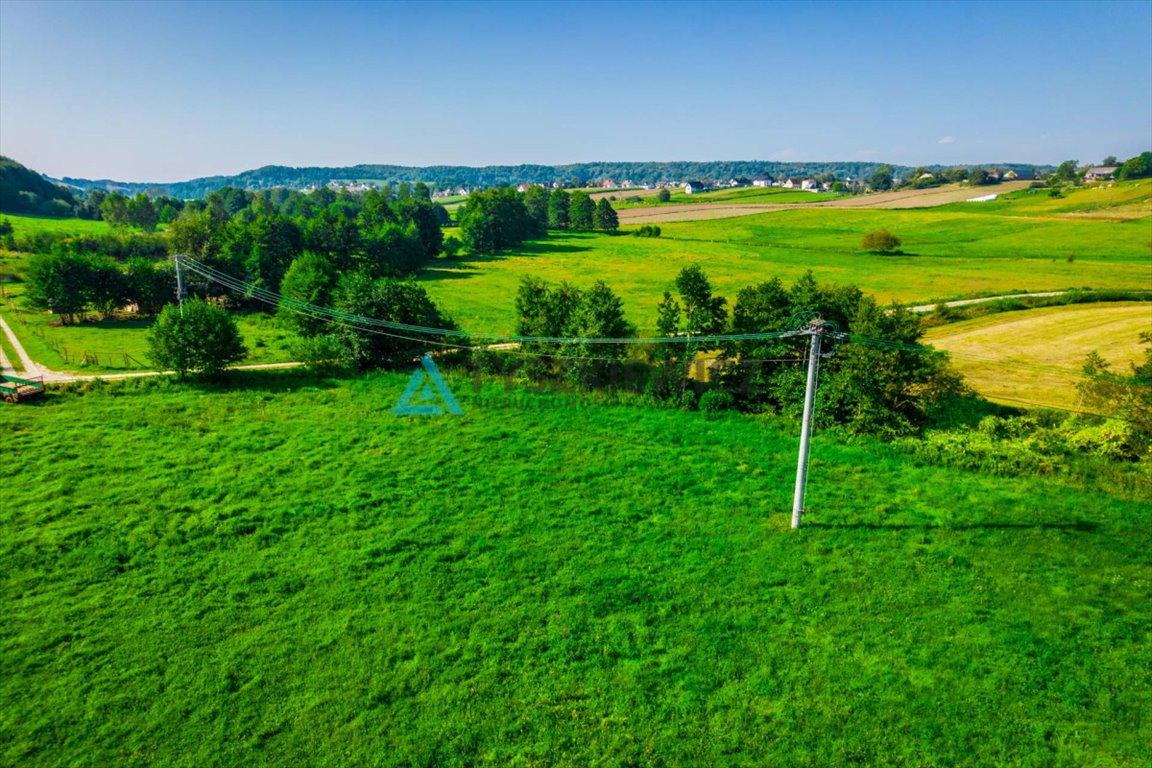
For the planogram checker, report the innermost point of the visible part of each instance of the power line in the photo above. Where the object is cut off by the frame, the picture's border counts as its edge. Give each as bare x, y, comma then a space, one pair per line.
271, 297
423, 333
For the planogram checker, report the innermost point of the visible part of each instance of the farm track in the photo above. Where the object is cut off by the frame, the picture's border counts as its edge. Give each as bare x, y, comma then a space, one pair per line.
923, 198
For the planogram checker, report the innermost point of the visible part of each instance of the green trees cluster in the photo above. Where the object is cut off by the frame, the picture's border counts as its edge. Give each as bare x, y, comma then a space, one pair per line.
893, 389
69, 284
694, 311
257, 236
139, 211
313, 280
646, 230
880, 390
501, 217
1139, 167
576, 211
881, 179
1127, 396
549, 311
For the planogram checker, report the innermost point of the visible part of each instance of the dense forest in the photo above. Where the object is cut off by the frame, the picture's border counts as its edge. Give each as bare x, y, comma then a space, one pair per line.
25, 191
456, 176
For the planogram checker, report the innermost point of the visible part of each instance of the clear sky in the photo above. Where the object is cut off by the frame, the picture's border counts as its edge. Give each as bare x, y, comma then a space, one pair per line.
166, 91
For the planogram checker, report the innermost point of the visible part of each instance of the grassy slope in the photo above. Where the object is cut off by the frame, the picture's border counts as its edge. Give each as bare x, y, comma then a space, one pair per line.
288, 574
949, 254
1035, 355
24, 225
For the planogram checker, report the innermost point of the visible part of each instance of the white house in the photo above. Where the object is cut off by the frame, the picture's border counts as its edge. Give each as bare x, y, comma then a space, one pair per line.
1101, 173
691, 187
761, 181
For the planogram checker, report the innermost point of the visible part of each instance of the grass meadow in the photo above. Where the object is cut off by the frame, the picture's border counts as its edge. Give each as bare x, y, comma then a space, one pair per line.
25, 225
282, 572
946, 255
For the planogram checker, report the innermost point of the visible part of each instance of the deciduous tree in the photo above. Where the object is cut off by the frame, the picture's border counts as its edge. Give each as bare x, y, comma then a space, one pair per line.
581, 212
202, 339
606, 219
559, 204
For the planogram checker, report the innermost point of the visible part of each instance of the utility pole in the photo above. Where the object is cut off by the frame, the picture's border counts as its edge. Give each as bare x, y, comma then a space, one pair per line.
806, 425
815, 330
179, 286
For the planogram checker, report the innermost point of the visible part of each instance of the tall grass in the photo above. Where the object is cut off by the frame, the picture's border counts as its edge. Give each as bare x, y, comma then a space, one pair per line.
286, 573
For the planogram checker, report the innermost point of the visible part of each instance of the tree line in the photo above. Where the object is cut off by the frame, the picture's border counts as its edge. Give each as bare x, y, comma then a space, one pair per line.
864, 388
573, 175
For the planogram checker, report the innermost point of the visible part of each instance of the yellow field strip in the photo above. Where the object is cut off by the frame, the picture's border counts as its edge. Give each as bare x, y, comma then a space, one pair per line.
1036, 355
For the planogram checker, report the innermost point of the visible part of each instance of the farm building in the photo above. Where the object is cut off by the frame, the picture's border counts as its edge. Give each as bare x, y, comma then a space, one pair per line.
761, 181
691, 187
1100, 173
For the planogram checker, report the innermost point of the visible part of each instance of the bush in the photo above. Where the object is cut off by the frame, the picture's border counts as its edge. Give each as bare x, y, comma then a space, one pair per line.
319, 353
646, 230
716, 401
880, 241
663, 195
452, 246
203, 339
686, 400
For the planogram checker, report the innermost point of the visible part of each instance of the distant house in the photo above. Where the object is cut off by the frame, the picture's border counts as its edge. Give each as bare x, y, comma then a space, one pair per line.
739, 181
761, 181
1100, 173
791, 183
692, 187
1023, 175
809, 184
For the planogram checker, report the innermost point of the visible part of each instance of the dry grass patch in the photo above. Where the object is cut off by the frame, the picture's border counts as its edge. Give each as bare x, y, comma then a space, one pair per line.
1035, 355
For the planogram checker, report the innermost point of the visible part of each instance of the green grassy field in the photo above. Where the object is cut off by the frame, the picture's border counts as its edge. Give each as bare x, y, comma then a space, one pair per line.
25, 225
1126, 199
1036, 355
947, 255
285, 573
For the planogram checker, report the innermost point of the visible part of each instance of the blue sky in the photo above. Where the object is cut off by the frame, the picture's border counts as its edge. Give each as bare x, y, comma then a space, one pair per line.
166, 91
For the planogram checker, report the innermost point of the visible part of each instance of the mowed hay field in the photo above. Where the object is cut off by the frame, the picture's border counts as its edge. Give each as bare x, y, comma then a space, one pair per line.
1034, 356
282, 572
